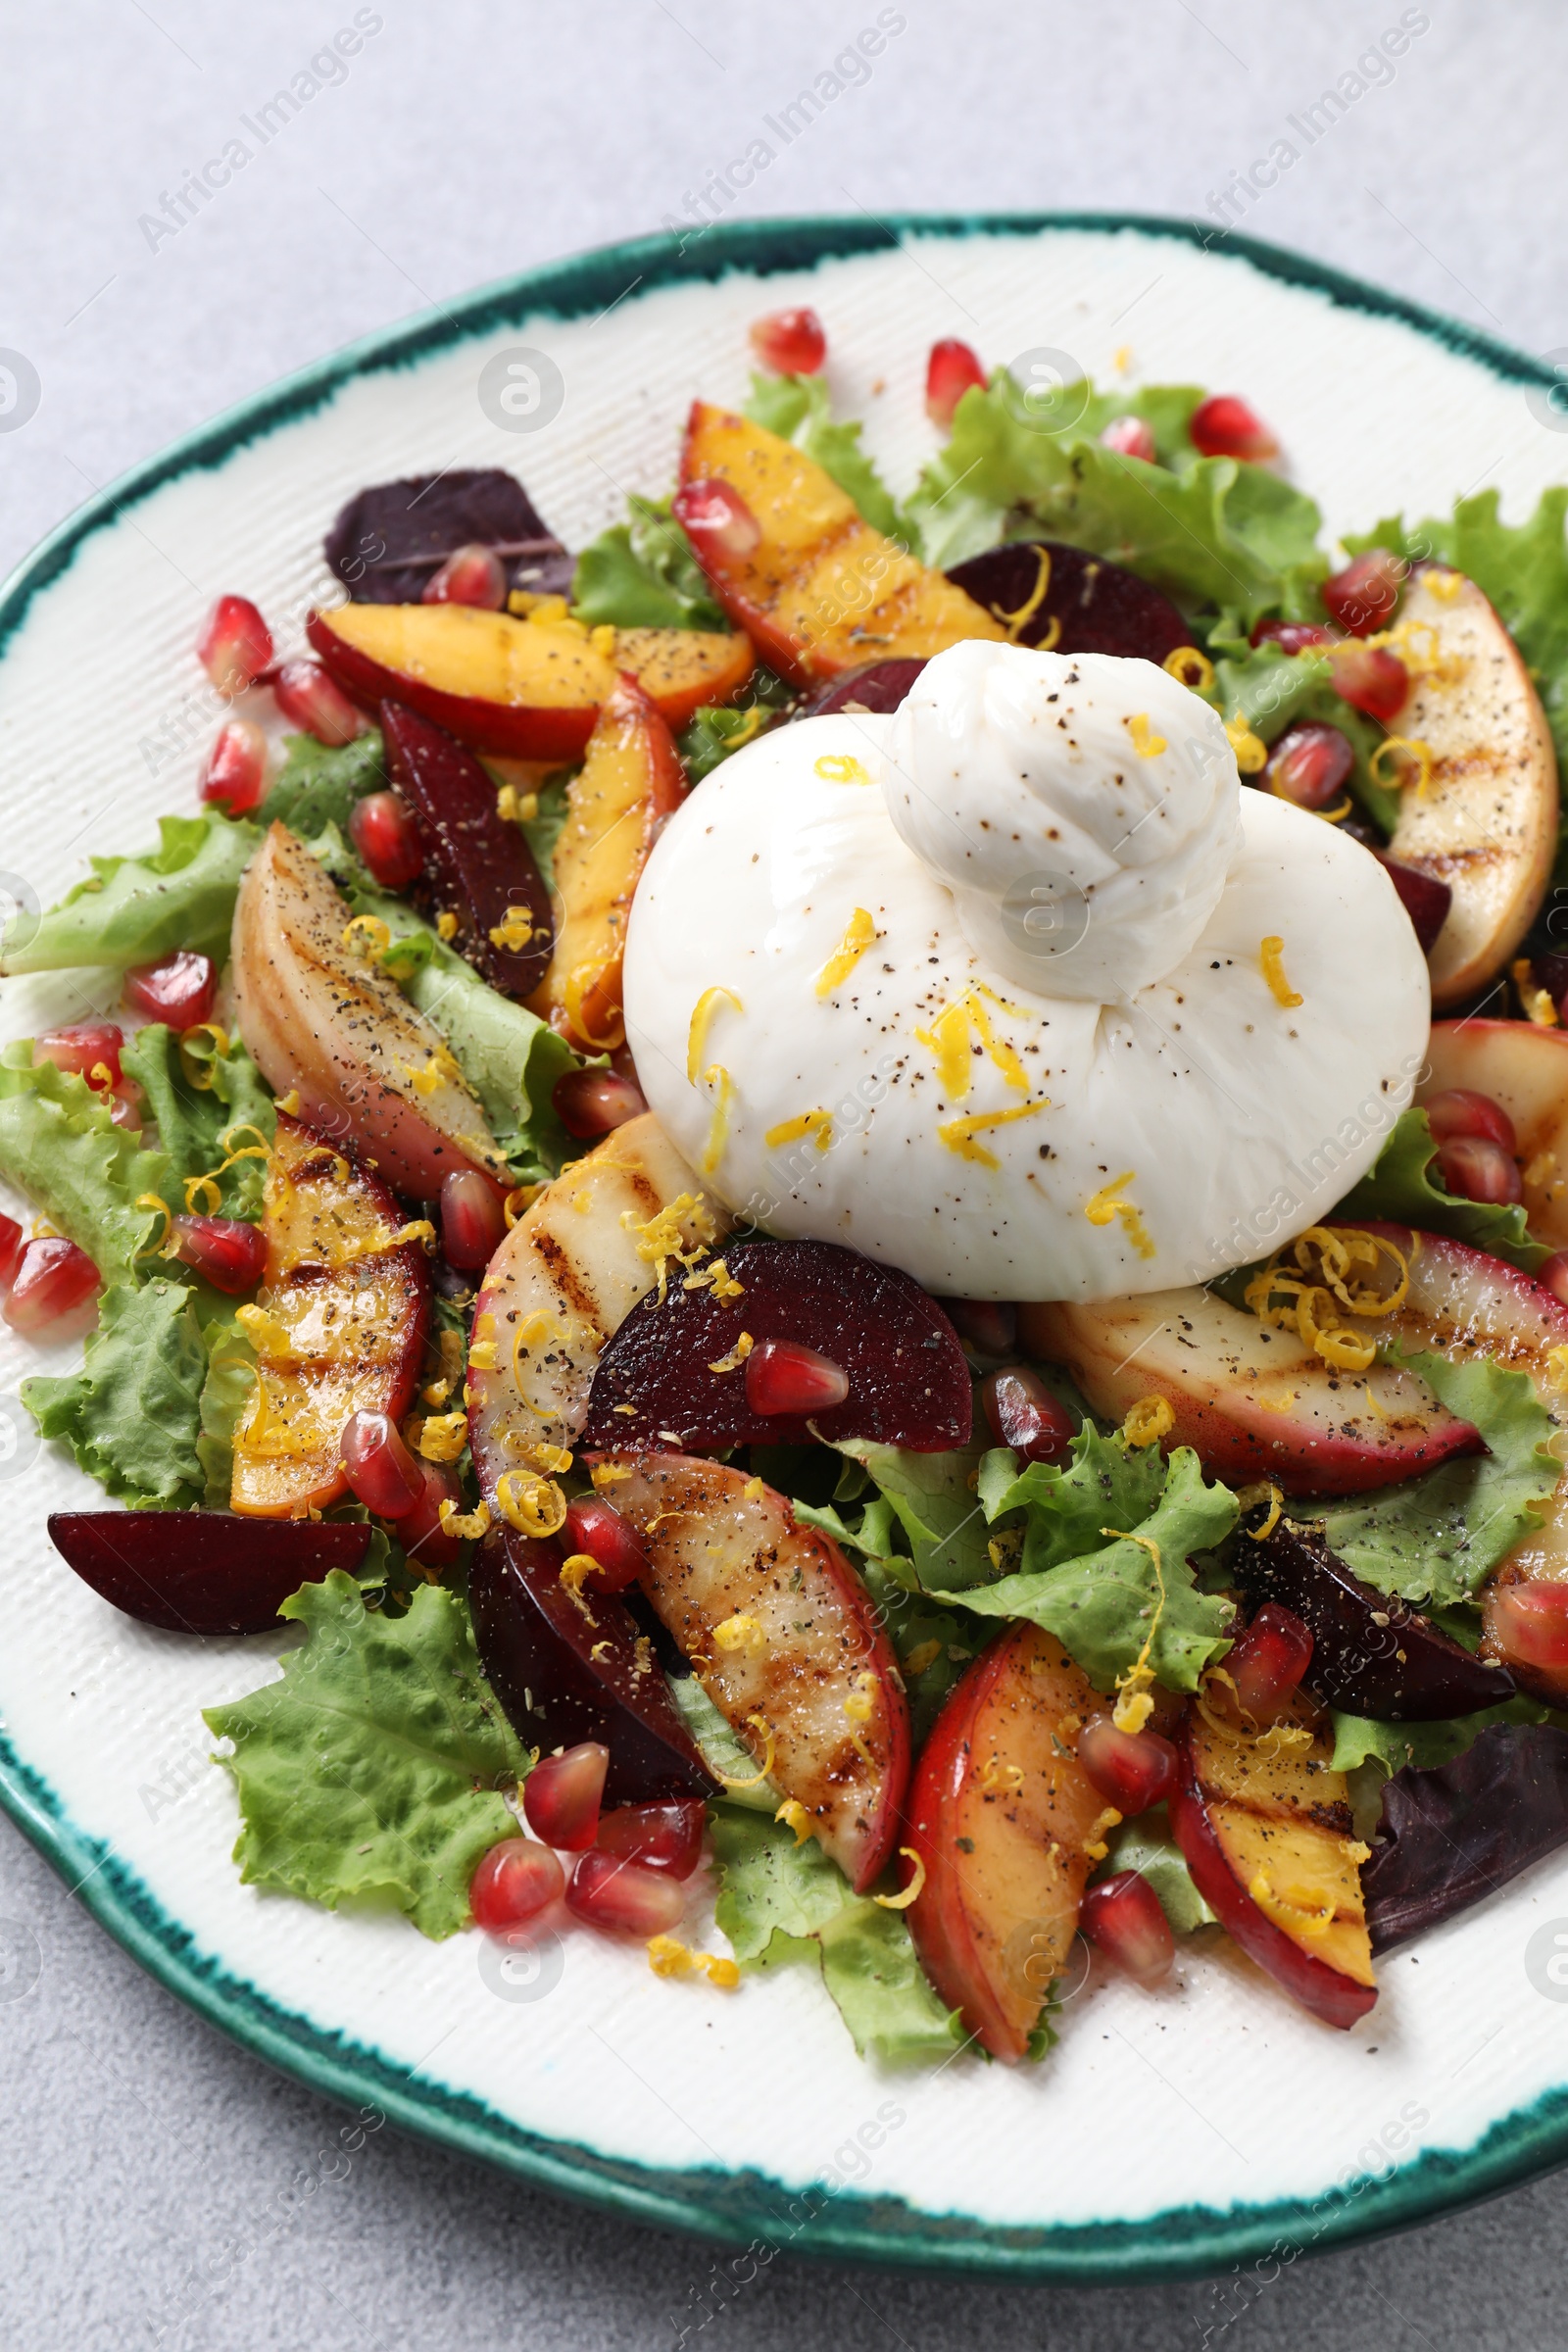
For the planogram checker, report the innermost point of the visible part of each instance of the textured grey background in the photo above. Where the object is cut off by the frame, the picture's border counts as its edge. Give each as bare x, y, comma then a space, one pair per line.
151, 2185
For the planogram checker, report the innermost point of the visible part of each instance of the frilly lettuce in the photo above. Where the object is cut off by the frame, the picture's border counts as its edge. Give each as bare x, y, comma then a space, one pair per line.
643, 575
1436, 1538
372, 1771
137, 910
192, 1117
59, 1145
781, 1901
318, 784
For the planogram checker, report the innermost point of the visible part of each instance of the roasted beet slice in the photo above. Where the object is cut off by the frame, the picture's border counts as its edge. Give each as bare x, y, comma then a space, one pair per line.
478, 863
1425, 900
1455, 1832
202, 1572
569, 1667
1101, 607
1372, 1655
389, 542
879, 687
909, 1384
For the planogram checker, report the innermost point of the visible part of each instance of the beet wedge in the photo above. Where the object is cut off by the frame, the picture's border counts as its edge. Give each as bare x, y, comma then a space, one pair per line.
478, 863
1372, 1654
568, 1666
908, 1382
202, 1572
1044, 592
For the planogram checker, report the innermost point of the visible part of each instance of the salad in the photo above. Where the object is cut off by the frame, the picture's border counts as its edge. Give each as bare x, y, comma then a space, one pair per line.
862, 1205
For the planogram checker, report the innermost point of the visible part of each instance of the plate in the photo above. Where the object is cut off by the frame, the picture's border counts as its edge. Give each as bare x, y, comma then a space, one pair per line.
1209, 2126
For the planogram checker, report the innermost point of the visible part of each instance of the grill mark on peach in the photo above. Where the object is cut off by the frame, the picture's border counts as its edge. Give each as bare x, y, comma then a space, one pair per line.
570, 1283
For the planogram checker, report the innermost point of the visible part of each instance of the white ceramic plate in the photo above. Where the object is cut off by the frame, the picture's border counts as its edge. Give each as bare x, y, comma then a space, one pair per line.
1211, 2125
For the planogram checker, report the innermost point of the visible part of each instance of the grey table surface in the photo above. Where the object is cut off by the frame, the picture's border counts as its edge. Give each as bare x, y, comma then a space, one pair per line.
146, 2165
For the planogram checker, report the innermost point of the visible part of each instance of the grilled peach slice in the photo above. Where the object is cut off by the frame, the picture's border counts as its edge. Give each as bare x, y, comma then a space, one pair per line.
565, 1277
792, 562
1001, 1814
1486, 820
783, 1638
1264, 1824
531, 689
629, 783
326, 1024
338, 1324
1524, 1070
1254, 1401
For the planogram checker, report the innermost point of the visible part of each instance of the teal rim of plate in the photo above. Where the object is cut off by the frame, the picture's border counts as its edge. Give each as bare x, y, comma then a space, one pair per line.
748, 2207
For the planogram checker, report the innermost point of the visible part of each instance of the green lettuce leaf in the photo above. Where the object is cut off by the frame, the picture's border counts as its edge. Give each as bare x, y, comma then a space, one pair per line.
1436, 1538
132, 1415
722, 1753
1147, 1845
227, 1391
780, 1902
797, 408
1523, 567
1273, 690
1213, 533
59, 1145
373, 1769
191, 1118
933, 1499
1358, 1741
643, 575
318, 784
1402, 1188
1123, 1604
138, 910
1104, 1482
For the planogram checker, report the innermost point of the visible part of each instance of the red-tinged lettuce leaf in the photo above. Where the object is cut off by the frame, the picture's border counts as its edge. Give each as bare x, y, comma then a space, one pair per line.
389, 541
373, 1768
1453, 1835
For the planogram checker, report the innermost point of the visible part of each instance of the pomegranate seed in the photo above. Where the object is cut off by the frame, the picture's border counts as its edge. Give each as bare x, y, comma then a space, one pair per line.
1268, 1661
1475, 1168
1529, 1622
986, 1326
515, 1881
382, 1471
1024, 1414
90, 1050
1132, 1770
1371, 679
229, 1252
1124, 1919
474, 1220
307, 698
235, 645
179, 990
783, 1376
623, 1898
54, 1289
789, 342
1362, 597
592, 1102
598, 1529
1131, 437
716, 521
13, 1242
236, 768
1310, 764
382, 829
950, 371
1460, 1110
419, 1530
1553, 1276
666, 1836
1425, 900
474, 575
126, 1103
1224, 426
1292, 636
561, 1795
